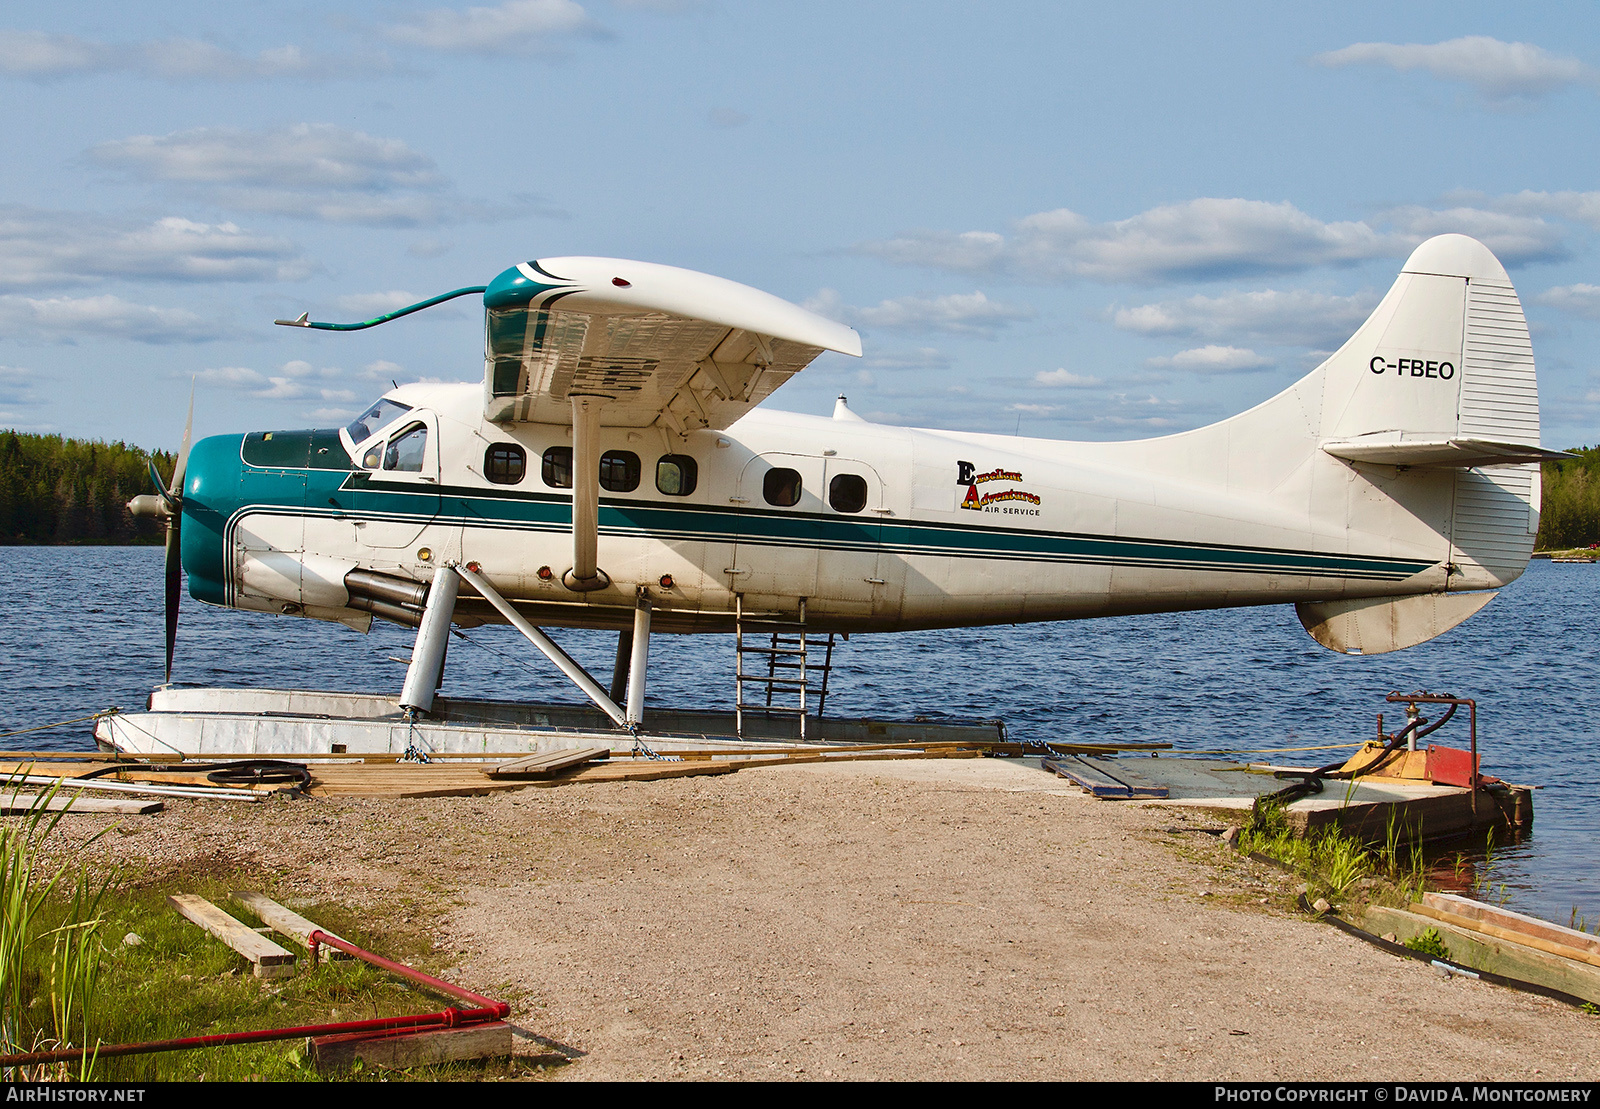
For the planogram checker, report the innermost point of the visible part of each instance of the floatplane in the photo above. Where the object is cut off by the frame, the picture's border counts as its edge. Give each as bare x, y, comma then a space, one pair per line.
615, 468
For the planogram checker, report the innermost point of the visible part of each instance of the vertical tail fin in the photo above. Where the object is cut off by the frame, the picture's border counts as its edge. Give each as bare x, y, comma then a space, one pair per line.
1440, 379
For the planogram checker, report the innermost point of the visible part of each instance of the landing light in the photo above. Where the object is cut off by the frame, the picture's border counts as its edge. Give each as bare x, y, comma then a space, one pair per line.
425, 554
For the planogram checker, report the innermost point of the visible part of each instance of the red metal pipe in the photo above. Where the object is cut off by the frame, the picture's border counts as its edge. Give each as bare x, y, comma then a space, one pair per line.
494, 1010
489, 1010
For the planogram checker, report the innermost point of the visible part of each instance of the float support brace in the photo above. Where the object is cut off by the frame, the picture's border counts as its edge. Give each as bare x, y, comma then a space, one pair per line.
554, 653
433, 636
641, 653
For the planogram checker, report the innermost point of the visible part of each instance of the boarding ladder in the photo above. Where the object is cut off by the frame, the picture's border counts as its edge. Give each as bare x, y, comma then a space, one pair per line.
776, 667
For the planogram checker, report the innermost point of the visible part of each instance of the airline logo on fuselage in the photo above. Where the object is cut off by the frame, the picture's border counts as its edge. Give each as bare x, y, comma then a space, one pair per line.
999, 500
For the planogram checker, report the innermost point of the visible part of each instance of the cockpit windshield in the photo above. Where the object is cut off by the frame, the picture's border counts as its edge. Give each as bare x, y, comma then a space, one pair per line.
374, 418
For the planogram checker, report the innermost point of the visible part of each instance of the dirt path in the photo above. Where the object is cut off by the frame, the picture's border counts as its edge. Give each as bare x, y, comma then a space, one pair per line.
906, 920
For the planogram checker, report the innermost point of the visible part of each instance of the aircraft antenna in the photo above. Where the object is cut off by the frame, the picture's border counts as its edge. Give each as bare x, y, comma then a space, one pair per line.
303, 321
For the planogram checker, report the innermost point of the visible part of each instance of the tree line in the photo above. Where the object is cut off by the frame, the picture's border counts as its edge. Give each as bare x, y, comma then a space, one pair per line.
55, 490
1570, 514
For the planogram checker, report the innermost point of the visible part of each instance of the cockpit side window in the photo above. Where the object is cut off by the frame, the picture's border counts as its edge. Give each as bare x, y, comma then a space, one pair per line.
375, 418
406, 450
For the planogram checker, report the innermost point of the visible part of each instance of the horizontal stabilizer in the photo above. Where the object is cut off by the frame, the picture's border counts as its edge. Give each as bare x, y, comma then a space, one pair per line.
1377, 625
1387, 448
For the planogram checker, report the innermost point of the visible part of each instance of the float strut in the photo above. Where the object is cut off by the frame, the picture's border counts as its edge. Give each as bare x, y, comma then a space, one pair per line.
641, 652
426, 671
619, 669
547, 646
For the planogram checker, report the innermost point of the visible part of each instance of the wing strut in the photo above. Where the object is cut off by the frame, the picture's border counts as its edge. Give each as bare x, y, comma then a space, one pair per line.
585, 574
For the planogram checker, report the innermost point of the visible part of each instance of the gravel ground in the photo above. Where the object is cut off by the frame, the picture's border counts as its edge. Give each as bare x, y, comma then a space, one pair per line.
893, 920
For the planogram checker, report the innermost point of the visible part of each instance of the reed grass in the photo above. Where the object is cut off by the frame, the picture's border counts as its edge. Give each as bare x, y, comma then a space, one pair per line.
50, 941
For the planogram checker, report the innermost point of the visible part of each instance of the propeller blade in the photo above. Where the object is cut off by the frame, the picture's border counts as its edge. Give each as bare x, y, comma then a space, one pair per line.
175, 492
174, 569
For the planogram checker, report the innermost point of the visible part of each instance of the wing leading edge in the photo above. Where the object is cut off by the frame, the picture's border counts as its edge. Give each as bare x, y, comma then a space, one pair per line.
656, 344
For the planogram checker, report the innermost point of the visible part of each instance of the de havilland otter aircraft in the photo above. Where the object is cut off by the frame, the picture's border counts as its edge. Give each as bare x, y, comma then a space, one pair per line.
614, 469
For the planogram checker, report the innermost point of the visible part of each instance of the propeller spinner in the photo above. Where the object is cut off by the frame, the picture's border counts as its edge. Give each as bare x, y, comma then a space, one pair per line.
166, 503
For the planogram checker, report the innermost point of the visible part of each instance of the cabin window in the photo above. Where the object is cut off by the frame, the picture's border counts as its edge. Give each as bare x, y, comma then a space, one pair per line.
556, 467
781, 487
406, 449
848, 493
619, 471
505, 463
677, 475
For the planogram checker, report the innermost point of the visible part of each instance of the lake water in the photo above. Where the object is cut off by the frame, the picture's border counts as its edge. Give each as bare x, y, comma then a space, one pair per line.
82, 631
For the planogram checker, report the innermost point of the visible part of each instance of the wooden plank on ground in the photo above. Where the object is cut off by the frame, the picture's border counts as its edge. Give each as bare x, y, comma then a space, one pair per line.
268, 959
1505, 918
1098, 783
1482, 952
489, 1040
639, 770
547, 762
23, 803
287, 922
1489, 927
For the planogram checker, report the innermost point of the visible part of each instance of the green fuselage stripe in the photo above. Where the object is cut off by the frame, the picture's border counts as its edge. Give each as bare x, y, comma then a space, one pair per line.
356, 495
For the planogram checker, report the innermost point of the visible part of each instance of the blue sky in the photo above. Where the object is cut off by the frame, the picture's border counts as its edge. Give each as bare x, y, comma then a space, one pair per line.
1084, 222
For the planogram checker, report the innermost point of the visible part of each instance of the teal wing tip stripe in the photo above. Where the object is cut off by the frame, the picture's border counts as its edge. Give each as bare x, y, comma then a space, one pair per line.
515, 289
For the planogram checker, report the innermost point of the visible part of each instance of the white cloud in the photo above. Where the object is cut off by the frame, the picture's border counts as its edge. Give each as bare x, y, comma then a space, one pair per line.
1214, 359
1578, 207
16, 388
1576, 300
1513, 238
367, 305
382, 370
1066, 379
66, 319
293, 381
38, 54
959, 313
42, 247
922, 358
1498, 70
1206, 239
308, 170
1198, 239
1033, 409
1278, 318
515, 27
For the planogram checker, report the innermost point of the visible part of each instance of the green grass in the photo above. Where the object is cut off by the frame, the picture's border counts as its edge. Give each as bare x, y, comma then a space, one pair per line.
67, 977
1338, 865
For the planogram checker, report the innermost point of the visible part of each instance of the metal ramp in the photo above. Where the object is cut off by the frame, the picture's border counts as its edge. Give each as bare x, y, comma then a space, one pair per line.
774, 668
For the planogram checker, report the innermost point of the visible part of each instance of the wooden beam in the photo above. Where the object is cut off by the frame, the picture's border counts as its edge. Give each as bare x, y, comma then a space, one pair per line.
286, 922
1482, 952
489, 1040
1490, 928
23, 803
547, 762
267, 958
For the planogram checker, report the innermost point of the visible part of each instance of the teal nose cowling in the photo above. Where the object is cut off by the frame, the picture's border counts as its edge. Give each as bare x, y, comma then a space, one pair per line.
211, 496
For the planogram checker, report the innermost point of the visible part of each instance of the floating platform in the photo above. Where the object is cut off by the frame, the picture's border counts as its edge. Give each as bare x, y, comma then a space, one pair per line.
1360, 807
285, 723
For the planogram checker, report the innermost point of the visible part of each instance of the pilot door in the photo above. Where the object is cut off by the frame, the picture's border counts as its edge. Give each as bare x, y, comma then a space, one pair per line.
395, 491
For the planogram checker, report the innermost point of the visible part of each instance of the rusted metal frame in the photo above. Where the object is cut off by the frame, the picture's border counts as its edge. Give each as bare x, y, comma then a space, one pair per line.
1472, 717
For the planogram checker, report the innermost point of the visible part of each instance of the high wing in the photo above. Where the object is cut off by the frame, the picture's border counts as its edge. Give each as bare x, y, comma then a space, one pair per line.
654, 344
